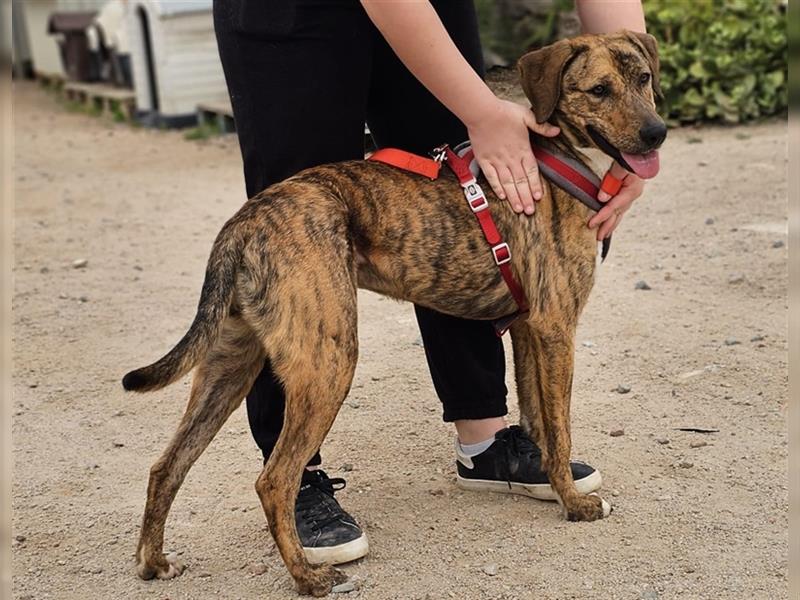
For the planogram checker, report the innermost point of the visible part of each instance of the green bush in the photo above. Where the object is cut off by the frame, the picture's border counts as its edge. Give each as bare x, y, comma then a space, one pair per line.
721, 60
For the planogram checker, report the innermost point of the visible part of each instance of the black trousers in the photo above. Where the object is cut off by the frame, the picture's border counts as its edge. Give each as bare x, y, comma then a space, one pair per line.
303, 78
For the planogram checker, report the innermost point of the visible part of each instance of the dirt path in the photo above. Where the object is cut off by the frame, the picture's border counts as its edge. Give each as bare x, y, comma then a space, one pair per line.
705, 347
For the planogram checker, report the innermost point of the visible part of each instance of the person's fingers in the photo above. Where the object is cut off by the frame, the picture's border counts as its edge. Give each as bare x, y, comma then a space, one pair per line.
532, 173
493, 178
602, 216
545, 129
510, 188
609, 226
524, 190
619, 173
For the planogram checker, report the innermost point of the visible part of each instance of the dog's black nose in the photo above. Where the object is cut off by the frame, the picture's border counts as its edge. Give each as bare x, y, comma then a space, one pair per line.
653, 134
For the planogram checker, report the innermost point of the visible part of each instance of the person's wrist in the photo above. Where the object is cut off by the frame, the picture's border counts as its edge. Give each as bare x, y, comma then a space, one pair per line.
475, 111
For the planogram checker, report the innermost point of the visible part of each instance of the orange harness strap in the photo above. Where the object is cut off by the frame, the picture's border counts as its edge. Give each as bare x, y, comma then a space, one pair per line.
409, 162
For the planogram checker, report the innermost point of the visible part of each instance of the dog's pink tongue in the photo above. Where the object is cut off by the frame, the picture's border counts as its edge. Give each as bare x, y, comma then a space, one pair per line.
644, 165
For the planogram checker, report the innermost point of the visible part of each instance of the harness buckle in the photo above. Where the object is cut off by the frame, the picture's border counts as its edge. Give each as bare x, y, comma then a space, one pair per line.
475, 197
501, 253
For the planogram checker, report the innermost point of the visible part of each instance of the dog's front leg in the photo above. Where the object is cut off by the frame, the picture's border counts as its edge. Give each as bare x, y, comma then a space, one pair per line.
552, 356
528, 397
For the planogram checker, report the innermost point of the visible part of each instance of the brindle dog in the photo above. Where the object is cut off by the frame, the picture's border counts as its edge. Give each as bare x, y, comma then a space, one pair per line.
283, 273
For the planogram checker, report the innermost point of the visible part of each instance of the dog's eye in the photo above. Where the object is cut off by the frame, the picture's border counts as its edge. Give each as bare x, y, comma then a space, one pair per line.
599, 91
644, 78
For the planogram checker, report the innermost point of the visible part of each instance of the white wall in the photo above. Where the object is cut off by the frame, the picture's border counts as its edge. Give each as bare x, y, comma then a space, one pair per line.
186, 60
44, 50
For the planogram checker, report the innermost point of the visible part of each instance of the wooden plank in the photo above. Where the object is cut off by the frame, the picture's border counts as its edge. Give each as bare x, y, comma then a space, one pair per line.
99, 91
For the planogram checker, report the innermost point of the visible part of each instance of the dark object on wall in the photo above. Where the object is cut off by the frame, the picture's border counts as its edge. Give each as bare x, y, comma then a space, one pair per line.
80, 64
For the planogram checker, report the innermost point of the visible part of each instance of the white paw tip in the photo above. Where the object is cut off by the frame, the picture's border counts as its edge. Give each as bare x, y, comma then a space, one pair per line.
606, 505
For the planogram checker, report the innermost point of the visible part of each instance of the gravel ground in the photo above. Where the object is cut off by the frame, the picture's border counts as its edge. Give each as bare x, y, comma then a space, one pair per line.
697, 515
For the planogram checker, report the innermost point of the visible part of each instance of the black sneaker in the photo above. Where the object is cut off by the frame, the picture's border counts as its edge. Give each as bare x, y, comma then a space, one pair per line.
327, 532
513, 465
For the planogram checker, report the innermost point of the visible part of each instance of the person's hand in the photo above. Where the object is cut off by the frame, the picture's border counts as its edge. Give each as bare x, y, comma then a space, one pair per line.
607, 219
501, 143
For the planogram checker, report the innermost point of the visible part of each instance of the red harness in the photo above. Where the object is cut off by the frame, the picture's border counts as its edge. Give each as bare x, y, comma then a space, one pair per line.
479, 205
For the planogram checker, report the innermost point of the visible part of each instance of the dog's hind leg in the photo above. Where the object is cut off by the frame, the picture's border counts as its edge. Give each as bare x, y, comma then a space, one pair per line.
554, 347
315, 358
220, 382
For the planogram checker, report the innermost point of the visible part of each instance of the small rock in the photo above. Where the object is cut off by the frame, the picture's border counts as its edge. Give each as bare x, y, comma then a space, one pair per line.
615, 493
258, 569
734, 279
642, 285
685, 464
346, 467
33, 385
44, 270
204, 575
588, 344
699, 444
375, 378
702, 163
344, 588
83, 299
663, 498
732, 342
778, 244
622, 389
118, 444
81, 263
649, 594
355, 405
617, 432
20, 538
662, 441
709, 221
757, 338
490, 569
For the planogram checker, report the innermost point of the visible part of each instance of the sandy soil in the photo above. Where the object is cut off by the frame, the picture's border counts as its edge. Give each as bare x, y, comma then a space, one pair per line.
696, 515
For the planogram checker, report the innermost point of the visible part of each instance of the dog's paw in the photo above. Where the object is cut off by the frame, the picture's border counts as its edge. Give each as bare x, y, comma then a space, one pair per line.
587, 508
161, 567
318, 581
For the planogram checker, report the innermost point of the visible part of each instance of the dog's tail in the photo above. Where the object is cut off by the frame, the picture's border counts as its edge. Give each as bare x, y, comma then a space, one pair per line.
215, 300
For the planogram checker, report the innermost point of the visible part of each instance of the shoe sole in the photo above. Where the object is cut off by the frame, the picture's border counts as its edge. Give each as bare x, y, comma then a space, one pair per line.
539, 491
337, 555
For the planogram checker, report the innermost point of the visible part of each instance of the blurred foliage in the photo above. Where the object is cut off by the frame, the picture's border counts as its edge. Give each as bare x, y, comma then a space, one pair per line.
721, 60
509, 29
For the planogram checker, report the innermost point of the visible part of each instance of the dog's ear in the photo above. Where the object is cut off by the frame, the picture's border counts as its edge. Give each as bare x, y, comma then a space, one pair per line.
649, 47
540, 75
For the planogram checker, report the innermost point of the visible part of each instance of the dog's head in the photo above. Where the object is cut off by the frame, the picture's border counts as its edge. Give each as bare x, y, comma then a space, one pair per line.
601, 89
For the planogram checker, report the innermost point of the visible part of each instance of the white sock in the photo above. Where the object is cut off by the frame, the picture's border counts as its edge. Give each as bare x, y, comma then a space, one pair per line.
474, 449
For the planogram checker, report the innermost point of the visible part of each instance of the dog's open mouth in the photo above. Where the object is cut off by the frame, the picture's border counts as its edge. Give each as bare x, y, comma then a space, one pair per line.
645, 166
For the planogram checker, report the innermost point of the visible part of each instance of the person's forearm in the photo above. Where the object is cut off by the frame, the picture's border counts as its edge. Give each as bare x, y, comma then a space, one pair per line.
608, 16
417, 36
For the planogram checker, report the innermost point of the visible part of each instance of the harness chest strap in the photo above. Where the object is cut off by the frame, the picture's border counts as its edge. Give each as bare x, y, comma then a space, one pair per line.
479, 206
